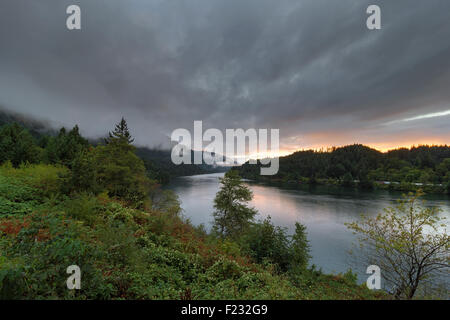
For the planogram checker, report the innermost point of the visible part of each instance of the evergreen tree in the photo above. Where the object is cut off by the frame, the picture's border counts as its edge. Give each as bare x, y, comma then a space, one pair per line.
120, 171
300, 249
17, 145
231, 215
66, 147
121, 133
264, 242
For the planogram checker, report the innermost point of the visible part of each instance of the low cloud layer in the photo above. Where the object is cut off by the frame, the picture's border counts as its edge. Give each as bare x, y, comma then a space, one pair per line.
308, 67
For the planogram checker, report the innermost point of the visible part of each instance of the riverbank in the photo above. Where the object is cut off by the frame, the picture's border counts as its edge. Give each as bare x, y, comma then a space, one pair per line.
405, 187
323, 209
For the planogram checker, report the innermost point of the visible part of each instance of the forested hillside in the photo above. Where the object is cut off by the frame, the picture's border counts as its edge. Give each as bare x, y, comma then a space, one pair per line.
427, 167
157, 161
160, 166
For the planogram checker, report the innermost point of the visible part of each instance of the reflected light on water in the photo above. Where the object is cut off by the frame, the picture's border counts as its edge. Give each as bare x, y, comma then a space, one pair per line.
323, 213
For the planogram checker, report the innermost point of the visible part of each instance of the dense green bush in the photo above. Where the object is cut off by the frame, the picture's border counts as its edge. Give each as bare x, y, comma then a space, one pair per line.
46, 247
267, 243
44, 180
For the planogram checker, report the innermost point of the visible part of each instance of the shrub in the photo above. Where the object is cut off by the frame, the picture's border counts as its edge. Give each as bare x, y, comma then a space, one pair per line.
12, 282
48, 245
45, 179
224, 269
84, 173
265, 242
85, 208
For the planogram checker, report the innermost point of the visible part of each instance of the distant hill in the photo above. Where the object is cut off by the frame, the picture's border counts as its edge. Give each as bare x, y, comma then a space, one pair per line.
161, 167
361, 165
35, 127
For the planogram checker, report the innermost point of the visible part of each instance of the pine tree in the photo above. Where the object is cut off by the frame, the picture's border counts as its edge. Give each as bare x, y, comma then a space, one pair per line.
300, 249
65, 147
121, 133
17, 145
119, 170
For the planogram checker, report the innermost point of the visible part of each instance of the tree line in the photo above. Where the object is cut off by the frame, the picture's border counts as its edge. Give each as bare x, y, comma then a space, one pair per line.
29, 141
359, 165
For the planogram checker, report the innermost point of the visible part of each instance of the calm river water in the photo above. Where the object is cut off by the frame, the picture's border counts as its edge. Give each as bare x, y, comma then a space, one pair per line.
323, 210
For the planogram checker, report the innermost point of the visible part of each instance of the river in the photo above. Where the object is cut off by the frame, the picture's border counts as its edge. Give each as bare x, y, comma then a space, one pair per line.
322, 210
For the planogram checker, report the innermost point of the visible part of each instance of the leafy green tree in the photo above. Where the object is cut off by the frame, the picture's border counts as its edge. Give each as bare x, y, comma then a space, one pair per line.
84, 173
232, 215
407, 243
265, 242
17, 145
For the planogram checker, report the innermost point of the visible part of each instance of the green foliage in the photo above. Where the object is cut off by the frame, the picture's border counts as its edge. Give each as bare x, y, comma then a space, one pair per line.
17, 145
269, 244
46, 247
84, 173
231, 215
65, 147
37, 179
299, 249
266, 243
117, 169
8, 207
407, 243
83, 207
12, 283
121, 173
224, 269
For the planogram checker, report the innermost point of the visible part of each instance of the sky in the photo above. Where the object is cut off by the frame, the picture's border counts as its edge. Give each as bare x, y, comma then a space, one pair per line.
310, 68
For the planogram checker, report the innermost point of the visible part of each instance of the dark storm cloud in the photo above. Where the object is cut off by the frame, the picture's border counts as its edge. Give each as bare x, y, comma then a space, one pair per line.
305, 67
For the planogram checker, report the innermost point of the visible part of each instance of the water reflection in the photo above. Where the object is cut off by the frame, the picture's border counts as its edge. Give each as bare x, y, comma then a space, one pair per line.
324, 212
